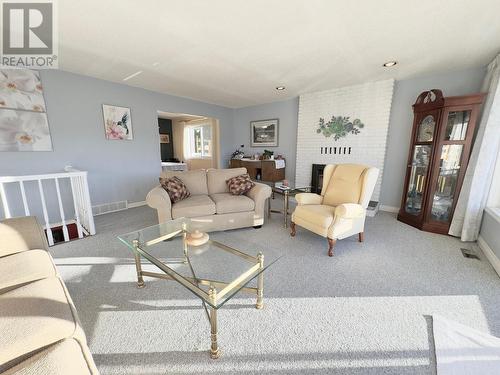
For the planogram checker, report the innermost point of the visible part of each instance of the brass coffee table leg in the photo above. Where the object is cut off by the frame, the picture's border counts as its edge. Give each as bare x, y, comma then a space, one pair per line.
214, 348
138, 269
285, 208
260, 283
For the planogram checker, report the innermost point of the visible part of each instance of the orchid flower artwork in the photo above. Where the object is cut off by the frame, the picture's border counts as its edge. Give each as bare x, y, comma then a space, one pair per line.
23, 120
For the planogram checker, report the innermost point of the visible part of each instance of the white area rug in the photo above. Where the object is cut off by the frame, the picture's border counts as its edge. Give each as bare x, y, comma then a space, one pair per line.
366, 311
461, 350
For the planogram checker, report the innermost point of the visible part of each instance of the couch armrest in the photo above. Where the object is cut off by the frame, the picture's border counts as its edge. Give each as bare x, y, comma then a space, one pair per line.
308, 198
21, 234
259, 193
349, 211
159, 199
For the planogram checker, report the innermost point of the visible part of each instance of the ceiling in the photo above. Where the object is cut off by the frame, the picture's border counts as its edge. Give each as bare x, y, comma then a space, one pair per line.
235, 52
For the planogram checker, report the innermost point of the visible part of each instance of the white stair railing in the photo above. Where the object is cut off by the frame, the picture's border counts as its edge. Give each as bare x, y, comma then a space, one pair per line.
80, 195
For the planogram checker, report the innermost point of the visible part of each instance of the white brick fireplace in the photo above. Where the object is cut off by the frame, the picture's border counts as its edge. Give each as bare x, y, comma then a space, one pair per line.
369, 102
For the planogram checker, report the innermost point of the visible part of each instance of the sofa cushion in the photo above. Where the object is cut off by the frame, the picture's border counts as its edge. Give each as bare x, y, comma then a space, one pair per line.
240, 185
34, 316
67, 357
216, 179
195, 181
317, 214
175, 188
194, 206
226, 203
21, 234
25, 267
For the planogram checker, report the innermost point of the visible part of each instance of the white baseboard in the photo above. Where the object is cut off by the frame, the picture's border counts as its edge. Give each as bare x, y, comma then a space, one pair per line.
136, 204
486, 249
388, 208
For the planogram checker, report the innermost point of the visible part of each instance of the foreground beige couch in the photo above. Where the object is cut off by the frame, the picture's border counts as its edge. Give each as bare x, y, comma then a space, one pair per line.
39, 328
210, 200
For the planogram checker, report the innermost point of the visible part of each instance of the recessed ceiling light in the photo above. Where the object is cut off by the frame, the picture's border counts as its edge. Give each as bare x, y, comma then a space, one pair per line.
388, 64
156, 63
132, 75
280, 88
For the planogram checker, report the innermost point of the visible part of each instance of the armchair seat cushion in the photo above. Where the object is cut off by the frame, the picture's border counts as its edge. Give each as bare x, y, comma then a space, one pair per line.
193, 206
66, 357
25, 267
227, 203
34, 316
317, 214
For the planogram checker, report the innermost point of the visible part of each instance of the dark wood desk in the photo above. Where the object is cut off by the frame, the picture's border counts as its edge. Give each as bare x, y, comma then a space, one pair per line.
265, 168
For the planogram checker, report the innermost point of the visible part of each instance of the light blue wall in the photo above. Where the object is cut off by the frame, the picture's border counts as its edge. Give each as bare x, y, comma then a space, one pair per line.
401, 122
287, 113
118, 170
126, 170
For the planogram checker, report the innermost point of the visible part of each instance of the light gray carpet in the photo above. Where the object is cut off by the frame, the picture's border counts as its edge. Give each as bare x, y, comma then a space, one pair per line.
365, 311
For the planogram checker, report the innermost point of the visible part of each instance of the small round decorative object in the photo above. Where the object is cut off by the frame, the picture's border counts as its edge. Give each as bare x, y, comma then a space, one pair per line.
197, 238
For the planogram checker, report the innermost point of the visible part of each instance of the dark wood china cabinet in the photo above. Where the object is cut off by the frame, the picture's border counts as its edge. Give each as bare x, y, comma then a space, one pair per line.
441, 142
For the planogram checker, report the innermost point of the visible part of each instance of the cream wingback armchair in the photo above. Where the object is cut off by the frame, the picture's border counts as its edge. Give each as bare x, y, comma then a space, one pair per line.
340, 210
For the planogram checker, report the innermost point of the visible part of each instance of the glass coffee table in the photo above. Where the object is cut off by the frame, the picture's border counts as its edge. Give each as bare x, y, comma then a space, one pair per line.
286, 191
213, 271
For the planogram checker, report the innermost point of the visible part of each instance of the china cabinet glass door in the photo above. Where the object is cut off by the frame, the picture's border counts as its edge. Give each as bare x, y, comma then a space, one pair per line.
418, 175
450, 151
419, 166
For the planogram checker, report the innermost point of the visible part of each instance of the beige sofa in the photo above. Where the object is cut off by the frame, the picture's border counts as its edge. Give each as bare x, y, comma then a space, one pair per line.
39, 328
211, 201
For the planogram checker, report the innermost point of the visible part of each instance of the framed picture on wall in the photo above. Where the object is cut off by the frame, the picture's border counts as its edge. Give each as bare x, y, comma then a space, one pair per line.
164, 138
24, 125
264, 133
117, 122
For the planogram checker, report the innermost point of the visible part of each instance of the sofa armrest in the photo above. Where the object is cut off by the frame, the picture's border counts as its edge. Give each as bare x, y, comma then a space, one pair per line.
21, 234
259, 193
308, 198
349, 211
159, 199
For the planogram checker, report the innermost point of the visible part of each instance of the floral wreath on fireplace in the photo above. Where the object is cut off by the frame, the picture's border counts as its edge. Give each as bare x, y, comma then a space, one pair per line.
339, 127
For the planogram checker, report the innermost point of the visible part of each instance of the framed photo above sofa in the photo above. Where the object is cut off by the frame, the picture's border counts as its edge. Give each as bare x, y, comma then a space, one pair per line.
264, 133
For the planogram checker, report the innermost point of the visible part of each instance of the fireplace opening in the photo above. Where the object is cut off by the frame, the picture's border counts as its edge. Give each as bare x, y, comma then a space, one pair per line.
317, 178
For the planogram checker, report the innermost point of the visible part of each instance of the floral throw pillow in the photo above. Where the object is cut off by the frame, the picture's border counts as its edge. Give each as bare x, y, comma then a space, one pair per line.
175, 188
240, 184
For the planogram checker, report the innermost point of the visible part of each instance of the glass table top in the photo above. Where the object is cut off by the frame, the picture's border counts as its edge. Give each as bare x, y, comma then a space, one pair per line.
198, 268
291, 188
